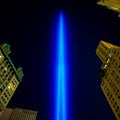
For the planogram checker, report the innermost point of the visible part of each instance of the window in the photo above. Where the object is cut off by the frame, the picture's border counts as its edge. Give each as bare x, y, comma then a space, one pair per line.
0, 90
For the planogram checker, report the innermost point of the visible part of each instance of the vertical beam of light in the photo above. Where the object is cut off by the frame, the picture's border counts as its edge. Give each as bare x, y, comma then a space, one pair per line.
61, 106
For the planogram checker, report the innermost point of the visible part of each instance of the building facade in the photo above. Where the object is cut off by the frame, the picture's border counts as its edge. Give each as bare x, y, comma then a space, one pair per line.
10, 77
111, 4
18, 114
110, 74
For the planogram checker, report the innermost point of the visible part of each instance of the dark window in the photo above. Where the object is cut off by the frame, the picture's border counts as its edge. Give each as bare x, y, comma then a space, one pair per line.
116, 110
119, 96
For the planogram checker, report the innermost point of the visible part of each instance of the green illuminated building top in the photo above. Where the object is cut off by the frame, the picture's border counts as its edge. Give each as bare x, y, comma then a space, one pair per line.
10, 77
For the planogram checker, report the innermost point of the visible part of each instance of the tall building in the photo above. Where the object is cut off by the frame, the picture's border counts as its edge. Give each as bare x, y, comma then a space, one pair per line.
110, 74
10, 77
111, 4
18, 114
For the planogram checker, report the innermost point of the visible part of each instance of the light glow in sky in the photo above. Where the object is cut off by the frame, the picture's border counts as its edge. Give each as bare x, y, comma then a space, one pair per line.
61, 103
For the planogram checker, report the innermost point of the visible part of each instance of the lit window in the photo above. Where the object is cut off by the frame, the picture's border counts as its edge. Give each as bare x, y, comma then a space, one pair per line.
105, 66
11, 87
108, 60
110, 55
5, 68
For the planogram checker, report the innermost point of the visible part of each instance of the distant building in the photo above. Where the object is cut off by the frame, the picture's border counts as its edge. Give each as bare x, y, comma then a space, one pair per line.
10, 77
111, 4
109, 73
18, 114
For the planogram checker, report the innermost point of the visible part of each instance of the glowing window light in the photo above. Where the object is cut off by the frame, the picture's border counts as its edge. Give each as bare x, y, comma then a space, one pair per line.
11, 86
61, 106
5, 68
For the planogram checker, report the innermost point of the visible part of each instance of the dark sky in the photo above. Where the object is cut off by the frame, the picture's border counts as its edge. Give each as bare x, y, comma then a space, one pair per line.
30, 29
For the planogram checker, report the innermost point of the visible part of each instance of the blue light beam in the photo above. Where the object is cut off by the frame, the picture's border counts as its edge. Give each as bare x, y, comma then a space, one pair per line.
61, 106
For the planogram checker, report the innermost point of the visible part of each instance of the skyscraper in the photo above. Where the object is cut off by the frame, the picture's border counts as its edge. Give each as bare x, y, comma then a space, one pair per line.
111, 4
109, 73
18, 114
10, 77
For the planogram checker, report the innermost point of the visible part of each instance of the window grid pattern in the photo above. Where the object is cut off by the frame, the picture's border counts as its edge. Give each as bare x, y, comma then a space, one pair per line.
8, 74
111, 100
110, 84
23, 114
8, 92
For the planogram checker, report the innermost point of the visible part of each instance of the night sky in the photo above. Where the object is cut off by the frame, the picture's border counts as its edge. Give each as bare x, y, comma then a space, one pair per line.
30, 29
